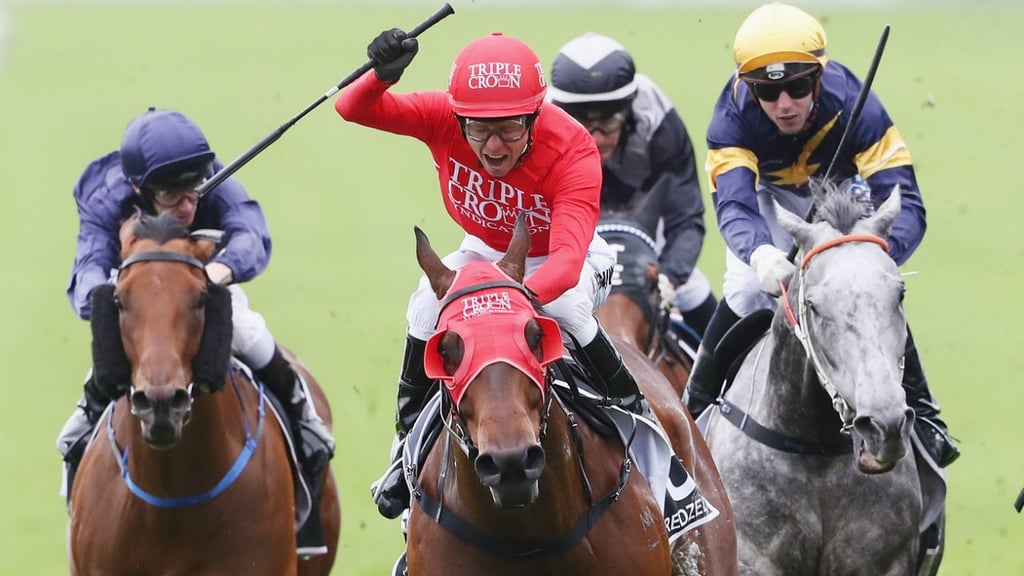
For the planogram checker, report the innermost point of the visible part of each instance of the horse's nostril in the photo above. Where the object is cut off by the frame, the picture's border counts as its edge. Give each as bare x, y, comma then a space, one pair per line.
534, 463
181, 400
487, 469
140, 402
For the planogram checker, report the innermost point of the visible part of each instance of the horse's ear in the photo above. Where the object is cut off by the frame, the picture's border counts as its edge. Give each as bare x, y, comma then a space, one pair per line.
127, 233
513, 262
205, 243
203, 250
440, 276
801, 231
880, 223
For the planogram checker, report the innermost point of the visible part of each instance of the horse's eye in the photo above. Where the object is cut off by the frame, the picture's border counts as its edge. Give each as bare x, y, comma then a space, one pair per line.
903, 293
809, 304
204, 297
118, 304
533, 337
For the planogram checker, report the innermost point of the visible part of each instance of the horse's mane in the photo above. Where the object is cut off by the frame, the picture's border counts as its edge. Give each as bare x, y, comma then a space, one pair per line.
162, 228
837, 207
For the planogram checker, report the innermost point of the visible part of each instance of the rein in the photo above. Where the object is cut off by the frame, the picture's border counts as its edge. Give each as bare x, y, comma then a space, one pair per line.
251, 441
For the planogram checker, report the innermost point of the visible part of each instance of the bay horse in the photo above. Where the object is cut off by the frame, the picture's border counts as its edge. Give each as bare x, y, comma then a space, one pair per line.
813, 433
189, 472
634, 310
518, 483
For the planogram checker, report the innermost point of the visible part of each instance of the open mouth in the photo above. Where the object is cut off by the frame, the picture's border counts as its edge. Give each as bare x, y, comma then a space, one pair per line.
869, 465
494, 161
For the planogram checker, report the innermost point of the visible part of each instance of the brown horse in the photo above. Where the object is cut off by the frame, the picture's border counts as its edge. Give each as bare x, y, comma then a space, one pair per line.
190, 472
633, 310
632, 314
519, 483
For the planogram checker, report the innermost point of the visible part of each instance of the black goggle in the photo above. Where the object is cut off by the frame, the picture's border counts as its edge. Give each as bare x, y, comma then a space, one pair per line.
796, 88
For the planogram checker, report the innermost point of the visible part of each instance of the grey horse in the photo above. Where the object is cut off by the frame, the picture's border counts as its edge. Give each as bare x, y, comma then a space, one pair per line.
813, 434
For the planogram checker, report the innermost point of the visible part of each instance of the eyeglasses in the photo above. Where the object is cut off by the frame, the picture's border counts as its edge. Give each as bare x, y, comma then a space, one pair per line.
172, 197
796, 88
508, 131
606, 126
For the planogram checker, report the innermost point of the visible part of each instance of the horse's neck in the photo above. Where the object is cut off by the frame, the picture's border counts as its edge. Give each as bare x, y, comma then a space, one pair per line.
623, 316
791, 398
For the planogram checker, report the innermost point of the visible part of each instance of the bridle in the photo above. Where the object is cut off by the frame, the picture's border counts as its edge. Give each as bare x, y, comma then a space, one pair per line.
252, 439
164, 256
453, 422
798, 322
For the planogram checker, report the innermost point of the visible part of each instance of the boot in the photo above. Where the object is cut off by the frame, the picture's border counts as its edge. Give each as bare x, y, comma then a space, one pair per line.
74, 436
706, 381
314, 443
930, 428
700, 317
603, 364
390, 492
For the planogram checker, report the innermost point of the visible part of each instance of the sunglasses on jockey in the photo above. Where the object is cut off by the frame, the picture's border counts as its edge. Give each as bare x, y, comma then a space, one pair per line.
796, 88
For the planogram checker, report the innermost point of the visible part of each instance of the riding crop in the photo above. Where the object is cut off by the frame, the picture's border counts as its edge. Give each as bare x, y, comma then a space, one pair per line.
269, 139
854, 115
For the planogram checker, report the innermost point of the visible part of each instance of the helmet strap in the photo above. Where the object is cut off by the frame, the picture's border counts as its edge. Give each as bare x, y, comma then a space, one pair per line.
531, 121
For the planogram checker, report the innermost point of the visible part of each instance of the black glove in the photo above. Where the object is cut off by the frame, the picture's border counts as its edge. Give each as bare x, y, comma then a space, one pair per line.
391, 52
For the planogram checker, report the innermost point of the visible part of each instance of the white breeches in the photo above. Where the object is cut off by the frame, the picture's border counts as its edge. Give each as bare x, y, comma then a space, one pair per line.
693, 293
740, 287
573, 310
251, 340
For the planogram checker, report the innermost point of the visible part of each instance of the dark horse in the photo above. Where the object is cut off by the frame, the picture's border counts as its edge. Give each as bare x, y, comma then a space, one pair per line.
190, 472
813, 435
519, 483
634, 310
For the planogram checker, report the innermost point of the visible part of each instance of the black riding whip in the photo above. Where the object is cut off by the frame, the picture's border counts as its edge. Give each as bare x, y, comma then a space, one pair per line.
854, 115
262, 145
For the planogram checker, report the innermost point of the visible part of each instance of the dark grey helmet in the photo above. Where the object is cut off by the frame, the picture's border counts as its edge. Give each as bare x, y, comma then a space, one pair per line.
593, 76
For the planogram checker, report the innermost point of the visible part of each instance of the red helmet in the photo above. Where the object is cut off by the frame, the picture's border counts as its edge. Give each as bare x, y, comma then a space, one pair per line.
495, 77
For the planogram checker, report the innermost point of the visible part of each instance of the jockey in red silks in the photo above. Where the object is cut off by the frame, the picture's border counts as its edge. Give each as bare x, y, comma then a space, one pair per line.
500, 151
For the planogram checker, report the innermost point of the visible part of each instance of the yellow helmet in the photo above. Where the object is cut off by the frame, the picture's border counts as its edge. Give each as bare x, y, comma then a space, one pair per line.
775, 35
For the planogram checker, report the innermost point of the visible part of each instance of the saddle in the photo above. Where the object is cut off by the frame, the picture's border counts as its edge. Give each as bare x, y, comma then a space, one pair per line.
739, 340
308, 526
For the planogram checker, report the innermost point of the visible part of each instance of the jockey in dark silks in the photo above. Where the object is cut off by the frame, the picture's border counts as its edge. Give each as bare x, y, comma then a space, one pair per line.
777, 124
163, 159
643, 144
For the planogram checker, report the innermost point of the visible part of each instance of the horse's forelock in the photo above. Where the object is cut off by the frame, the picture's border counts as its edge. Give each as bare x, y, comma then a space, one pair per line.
161, 228
837, 208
